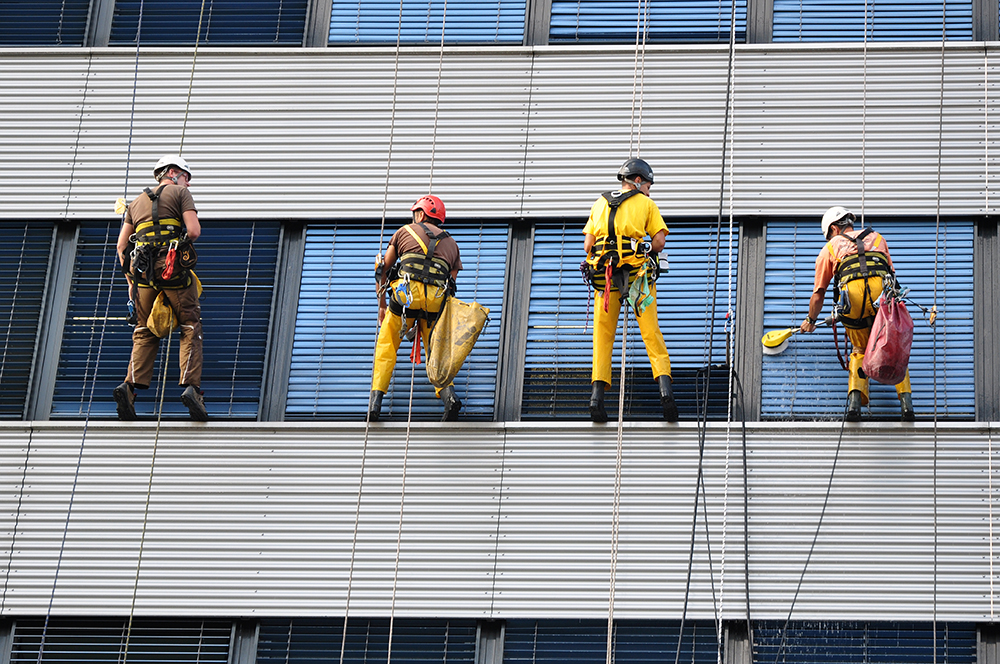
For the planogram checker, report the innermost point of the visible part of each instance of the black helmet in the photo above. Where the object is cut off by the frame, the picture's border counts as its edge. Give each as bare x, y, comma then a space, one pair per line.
634, 167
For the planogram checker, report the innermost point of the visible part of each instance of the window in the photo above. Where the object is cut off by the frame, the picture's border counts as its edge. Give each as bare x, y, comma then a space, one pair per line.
24, 260
558, 356
236, 264
223, 22
102, 641
861, 642
335, 328
887, 20
806, 381
465, 22
586, 641
43, 22
317, 641
618, 21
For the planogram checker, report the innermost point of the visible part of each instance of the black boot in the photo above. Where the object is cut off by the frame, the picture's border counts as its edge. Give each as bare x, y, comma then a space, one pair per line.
375, 405
452, 404
667, 398
597, 413
853, 406
906, 407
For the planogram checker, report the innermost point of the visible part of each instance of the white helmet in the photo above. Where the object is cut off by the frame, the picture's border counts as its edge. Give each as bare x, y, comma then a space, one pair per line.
168, 160
834, 216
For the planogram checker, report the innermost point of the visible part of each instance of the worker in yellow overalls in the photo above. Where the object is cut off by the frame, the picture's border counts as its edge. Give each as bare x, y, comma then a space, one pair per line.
622, 259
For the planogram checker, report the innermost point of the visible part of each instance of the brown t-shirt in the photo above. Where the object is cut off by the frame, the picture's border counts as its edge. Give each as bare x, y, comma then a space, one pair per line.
175, 200
446, 249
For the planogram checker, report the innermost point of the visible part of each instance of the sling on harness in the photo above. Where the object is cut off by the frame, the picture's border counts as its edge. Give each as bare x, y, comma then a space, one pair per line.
426, 268
862, 265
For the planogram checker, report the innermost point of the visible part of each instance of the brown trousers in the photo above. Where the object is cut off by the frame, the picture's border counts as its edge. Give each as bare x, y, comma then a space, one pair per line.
184, 302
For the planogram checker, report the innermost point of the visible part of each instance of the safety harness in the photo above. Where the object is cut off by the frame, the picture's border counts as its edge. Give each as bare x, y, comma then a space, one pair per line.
611, 250
423, 267
863, 265
158, 237
608, 248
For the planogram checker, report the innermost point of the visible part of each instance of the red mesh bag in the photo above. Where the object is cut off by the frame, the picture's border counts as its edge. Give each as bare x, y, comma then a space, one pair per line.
888, 350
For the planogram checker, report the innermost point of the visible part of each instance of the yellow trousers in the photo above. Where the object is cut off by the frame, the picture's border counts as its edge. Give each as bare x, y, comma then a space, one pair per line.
862, 307
606, 325
423, 298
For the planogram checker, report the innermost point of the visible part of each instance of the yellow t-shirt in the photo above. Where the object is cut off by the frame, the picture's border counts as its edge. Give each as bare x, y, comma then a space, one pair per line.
637, 218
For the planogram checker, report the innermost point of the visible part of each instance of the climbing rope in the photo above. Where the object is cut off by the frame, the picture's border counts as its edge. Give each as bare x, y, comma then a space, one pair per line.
711, 303
239, 327
638, 74
615, 509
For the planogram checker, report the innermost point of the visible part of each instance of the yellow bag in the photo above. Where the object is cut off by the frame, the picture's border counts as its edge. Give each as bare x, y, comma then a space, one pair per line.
454, 334
162, 320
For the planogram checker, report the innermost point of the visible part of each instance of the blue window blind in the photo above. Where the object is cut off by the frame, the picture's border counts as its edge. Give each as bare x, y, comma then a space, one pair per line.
102, 641
335, 328
43, 22
888, 20
806, 381
236, 264
618, 21
223, 22
585, 642
466, 22
558, 354
314, 641
865, 643
24, 260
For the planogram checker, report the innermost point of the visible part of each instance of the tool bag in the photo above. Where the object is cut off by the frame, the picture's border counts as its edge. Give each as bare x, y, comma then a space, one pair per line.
455, 333
888, 350
162, 320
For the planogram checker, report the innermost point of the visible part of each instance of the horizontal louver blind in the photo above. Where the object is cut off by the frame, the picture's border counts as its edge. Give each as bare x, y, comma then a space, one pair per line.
335, 328
618, 21
806, 381
236, 264
223, 22
43, 22
558, 356
413, 641
887, 20
102, 641
863, 643
464, 22
585, 642
24, 260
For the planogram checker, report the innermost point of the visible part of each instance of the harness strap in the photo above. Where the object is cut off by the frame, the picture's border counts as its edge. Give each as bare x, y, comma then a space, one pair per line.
426, 268
860, 242
609, 246
158, 231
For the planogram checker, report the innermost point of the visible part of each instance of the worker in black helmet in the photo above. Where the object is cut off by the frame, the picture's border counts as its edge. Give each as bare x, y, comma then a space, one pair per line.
622, 260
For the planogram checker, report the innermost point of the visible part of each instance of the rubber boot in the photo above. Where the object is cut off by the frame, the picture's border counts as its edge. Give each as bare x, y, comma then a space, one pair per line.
597, 412
375, 405
667, 398
452, 404
906, 407
125, 399
853, 406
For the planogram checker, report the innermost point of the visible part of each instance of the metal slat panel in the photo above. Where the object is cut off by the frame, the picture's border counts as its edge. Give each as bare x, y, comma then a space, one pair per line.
336, 327
807, 381
560, 324
311, 118
498, 521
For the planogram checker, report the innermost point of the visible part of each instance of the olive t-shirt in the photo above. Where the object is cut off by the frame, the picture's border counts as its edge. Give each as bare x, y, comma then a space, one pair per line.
175, 200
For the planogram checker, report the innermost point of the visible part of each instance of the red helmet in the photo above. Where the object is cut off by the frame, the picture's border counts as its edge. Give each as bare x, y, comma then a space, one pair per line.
432, 206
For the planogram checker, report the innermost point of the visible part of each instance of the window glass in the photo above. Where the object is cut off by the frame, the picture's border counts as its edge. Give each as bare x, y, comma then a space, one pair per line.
379, 22
43, 22
618, 21
887, 20
223, 22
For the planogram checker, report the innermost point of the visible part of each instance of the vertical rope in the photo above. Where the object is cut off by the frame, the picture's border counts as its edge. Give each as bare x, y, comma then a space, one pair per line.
381, 235
243, 308
194, 59
437, 98
615, 509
